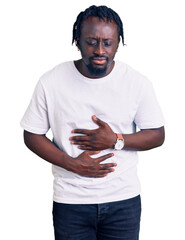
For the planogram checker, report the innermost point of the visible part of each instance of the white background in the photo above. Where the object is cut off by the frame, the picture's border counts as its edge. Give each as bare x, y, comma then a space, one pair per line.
35, 36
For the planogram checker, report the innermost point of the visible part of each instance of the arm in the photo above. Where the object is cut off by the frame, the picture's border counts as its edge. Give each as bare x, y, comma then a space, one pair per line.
144, 139
104, 138
83, 164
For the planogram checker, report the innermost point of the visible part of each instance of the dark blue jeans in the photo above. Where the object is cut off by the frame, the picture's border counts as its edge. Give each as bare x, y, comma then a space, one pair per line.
107, 221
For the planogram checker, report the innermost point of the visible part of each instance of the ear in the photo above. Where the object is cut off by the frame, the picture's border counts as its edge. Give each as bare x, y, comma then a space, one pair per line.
77, 42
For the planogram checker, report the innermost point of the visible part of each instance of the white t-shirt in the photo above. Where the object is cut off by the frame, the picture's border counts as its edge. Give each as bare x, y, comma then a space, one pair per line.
64, 100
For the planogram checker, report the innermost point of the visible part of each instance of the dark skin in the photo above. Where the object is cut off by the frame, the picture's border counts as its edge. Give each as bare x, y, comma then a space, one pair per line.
100, 40
98, 44
84, 164
103, 138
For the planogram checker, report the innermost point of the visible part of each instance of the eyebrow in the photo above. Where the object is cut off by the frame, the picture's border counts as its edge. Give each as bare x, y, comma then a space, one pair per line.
106, 39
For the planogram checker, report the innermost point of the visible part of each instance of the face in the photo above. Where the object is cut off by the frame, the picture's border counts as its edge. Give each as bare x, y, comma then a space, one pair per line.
98, 44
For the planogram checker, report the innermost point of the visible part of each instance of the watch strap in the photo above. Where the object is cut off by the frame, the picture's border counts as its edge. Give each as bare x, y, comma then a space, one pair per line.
119, 136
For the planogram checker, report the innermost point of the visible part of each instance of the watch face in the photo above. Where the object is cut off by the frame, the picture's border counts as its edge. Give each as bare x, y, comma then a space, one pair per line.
119, 145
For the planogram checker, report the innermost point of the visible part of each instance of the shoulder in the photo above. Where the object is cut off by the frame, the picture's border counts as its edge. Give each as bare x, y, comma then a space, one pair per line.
130, 75
54, 74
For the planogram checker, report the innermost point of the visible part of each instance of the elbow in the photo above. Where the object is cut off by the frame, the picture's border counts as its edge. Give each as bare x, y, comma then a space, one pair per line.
26, 138
160, 136
155, 138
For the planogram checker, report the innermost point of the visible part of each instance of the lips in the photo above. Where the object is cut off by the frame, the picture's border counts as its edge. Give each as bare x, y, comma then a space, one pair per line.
99, 60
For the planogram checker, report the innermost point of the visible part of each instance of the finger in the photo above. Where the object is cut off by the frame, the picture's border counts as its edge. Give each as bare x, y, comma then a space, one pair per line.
98, 121
83, 144
101, 173
79, 138
86, 148
104, 157
104, 173
82, 131
92, 152
108, 166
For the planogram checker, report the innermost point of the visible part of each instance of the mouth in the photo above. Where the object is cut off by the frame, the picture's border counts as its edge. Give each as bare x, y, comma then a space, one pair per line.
99, 60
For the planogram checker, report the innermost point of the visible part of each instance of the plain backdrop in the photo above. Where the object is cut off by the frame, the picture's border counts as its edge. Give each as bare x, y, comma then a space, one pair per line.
35, 36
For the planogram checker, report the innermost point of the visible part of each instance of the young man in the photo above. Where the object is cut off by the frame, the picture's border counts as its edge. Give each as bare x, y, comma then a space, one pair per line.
93, 106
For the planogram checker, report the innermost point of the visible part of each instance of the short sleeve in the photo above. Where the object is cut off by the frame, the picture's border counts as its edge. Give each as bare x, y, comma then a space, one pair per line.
35, 119
149, 114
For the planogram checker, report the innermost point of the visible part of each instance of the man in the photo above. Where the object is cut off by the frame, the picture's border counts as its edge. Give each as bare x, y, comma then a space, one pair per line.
93, 106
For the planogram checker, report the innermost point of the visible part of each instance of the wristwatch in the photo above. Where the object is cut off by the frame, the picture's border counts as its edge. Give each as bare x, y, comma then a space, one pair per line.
119, 144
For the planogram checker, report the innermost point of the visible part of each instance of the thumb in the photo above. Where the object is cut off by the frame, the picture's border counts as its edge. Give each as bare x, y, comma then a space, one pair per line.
98, 121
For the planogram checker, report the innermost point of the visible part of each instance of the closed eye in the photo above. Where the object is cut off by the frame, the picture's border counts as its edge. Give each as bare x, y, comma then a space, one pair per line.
92, 43
107, 44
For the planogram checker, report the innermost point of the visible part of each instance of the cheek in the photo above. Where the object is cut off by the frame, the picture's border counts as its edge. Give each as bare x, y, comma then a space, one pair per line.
84, 52
112, 54
85, 57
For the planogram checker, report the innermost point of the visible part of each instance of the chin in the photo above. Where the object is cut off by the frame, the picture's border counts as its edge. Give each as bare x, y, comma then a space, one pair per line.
97, 71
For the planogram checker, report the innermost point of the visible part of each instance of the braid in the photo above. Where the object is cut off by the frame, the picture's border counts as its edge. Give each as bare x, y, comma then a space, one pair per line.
101, 12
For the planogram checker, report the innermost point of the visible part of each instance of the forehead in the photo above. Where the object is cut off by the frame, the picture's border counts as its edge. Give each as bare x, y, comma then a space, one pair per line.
97, 27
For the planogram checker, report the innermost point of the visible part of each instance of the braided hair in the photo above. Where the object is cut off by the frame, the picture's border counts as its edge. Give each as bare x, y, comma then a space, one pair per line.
102, 12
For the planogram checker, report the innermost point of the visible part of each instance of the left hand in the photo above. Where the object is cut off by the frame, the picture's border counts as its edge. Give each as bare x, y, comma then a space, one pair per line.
96, 139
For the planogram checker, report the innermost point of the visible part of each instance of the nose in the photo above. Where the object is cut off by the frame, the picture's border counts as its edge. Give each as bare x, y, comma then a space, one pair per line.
99, 50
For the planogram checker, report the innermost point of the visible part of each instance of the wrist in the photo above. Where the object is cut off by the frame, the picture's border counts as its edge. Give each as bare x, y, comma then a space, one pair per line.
119, 143
113, 140
67, 163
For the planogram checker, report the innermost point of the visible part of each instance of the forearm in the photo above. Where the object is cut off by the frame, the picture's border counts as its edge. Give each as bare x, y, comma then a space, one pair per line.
83, 164
104, 138
44, 148
144, 139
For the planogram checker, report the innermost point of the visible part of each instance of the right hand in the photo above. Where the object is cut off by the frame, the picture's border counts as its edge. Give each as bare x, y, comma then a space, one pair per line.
87, 166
